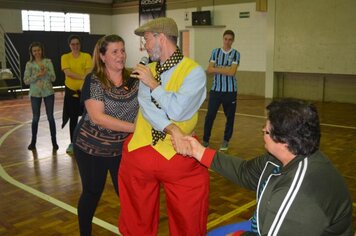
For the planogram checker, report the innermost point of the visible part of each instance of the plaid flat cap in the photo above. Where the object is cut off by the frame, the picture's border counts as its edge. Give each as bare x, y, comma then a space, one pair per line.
159, 25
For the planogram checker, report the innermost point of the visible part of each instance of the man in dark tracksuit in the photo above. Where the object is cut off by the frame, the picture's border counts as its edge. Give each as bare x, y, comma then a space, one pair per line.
299, 191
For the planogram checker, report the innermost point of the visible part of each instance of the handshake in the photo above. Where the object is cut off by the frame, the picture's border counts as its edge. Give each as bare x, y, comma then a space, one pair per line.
188, 146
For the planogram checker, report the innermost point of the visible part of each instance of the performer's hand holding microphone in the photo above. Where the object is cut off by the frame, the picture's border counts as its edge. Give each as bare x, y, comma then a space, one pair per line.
131, 81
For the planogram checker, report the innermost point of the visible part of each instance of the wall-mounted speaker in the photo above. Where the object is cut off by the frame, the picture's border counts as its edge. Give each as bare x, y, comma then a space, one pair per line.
201, 18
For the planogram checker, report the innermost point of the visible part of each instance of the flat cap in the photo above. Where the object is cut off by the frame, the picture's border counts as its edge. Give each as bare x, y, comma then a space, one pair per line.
159, 25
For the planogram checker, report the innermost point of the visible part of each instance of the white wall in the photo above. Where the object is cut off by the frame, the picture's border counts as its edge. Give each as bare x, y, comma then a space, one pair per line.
100, 24
11, 20
315, 36
250, 34
257, 67
125, 25
12, 23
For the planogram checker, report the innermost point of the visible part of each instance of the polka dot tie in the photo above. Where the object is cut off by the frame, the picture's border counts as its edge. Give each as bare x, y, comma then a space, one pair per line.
168, 64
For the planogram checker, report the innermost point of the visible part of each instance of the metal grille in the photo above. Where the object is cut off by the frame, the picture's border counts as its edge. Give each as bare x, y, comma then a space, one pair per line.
55, 21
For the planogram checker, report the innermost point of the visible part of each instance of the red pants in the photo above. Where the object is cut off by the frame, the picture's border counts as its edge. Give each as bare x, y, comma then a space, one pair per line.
186, 185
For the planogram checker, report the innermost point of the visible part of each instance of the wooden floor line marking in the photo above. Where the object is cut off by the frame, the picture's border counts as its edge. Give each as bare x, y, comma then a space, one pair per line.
264, 117
19, 163
237, 211
35, 192
338, 126
15, 105
11, 120
105, 224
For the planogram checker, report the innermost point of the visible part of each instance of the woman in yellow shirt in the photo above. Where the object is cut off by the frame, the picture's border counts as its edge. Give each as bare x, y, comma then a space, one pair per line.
75, 65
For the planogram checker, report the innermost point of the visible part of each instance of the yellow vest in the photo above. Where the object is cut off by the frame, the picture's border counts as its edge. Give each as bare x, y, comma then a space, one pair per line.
143, 136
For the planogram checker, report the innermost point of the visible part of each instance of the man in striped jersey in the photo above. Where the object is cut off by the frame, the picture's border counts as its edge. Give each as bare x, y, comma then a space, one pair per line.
299, 191
223, 65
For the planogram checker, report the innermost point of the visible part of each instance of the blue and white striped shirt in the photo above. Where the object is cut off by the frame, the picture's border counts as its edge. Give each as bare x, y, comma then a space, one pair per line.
221, 58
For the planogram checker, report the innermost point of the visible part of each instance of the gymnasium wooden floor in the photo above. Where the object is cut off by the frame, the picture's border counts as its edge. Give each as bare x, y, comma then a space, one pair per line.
39, 190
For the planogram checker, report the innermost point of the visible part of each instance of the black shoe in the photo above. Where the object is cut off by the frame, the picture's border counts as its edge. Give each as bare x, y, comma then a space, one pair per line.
32, 146
55, 146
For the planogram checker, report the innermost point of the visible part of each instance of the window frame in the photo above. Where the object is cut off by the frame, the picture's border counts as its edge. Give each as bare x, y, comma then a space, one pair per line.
55, 21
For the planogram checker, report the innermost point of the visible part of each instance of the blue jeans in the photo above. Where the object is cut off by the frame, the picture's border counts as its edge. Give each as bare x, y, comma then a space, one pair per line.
36, 111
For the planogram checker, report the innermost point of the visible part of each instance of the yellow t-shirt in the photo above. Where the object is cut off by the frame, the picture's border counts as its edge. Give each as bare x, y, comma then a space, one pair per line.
77, 65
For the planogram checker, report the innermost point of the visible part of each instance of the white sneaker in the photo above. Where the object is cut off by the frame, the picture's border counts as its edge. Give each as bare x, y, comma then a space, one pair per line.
224, 146
69, 149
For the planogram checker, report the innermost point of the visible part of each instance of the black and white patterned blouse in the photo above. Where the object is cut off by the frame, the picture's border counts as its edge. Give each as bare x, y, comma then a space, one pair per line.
119, 103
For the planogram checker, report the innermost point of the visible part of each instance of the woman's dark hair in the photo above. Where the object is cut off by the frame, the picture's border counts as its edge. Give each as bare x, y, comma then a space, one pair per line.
295, 123
74, 36
36, 44
99, 68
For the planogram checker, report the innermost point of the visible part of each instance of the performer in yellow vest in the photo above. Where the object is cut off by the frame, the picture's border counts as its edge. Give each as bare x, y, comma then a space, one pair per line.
172, 89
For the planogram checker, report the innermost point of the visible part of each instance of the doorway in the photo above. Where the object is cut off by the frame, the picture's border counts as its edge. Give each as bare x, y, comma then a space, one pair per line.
184, 42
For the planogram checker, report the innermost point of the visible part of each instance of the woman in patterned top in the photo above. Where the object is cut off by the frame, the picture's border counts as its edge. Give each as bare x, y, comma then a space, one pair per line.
109, 115
39, 74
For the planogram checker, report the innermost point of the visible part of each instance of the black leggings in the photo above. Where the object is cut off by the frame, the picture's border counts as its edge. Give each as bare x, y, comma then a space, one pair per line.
72, 109
93, 171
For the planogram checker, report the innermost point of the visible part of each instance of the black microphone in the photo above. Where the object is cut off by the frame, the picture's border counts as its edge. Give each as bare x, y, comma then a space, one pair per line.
143, 61
131, 81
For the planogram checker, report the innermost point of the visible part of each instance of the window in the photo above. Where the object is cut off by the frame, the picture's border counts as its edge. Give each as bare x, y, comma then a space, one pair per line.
55, 21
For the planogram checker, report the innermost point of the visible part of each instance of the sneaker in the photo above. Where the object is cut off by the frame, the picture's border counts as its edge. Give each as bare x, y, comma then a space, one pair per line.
70, 149
205, 144
224, 146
